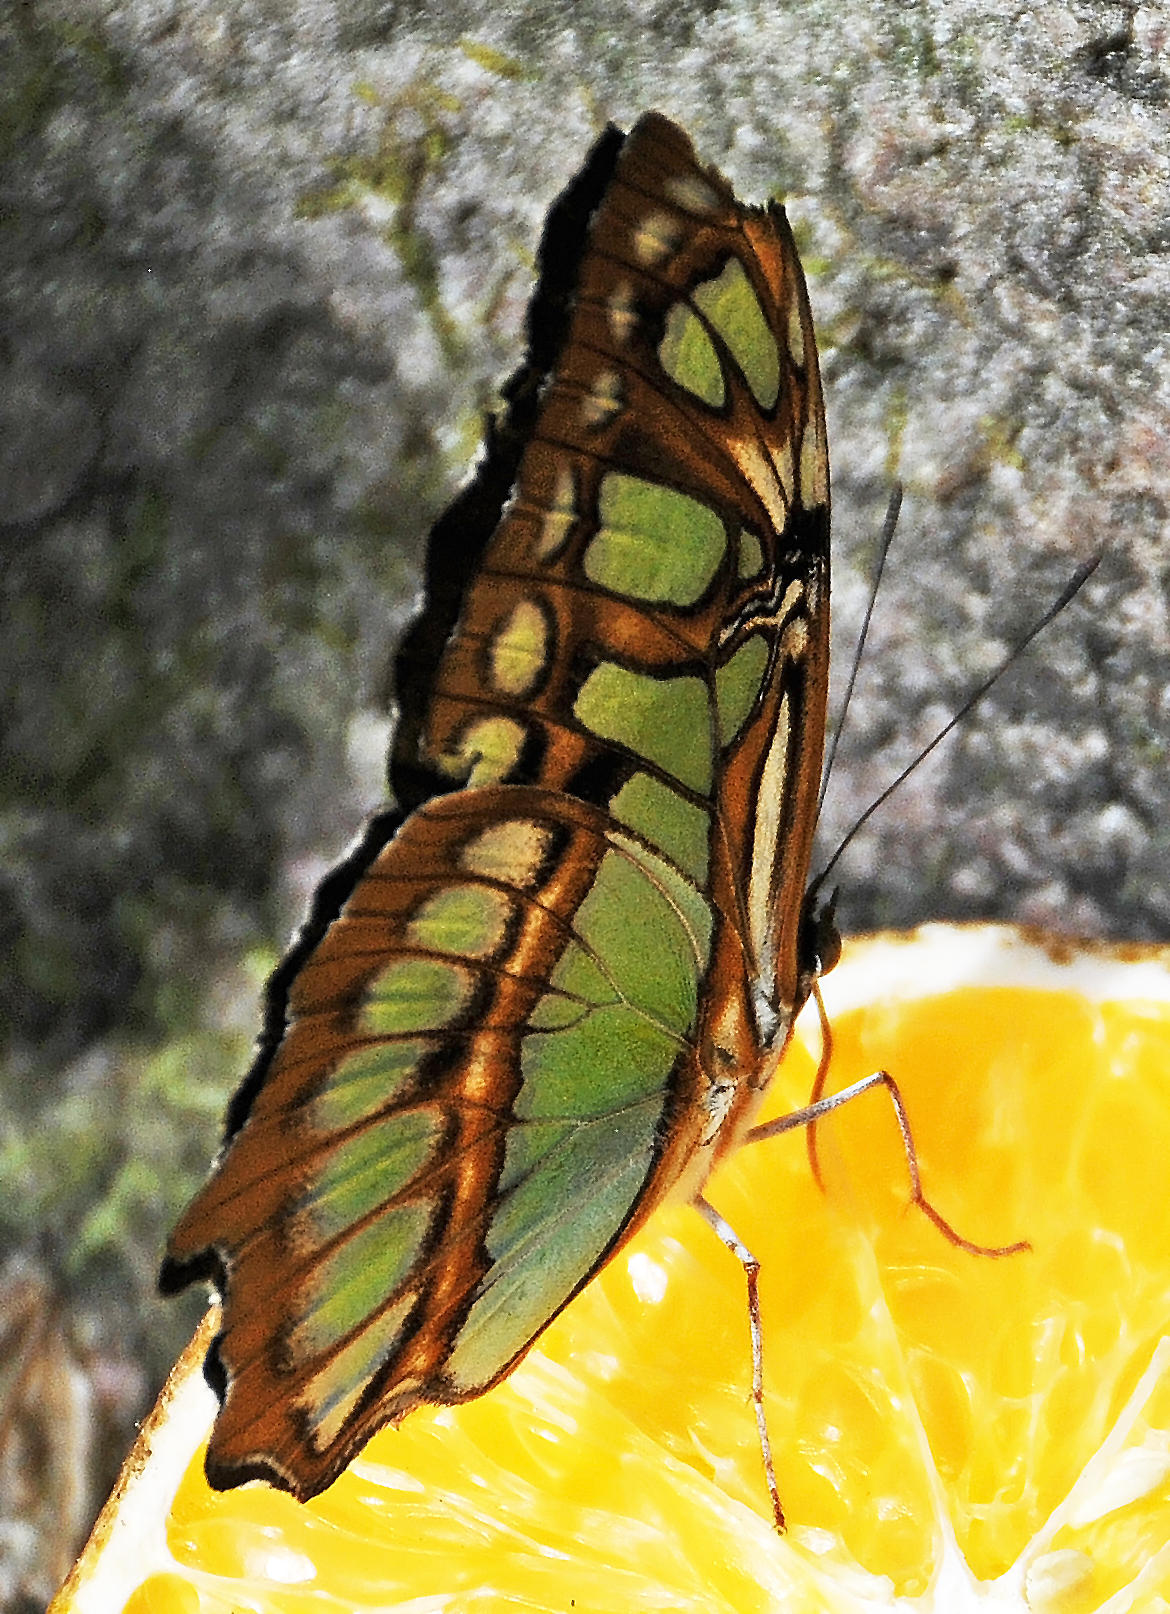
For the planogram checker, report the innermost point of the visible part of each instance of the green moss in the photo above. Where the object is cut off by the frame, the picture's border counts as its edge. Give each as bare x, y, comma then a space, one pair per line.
897, 414
913, 42
397, 172
1001, 437
108, 1163
494, 61
56, 63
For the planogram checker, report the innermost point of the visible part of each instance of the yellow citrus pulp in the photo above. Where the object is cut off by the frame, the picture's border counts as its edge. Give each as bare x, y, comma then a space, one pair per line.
952, 1433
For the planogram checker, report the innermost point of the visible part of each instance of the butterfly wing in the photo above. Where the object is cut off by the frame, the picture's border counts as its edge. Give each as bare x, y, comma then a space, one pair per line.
550, 996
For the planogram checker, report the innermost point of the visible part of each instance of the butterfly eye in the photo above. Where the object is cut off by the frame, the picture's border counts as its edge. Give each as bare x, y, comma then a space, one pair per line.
821, 944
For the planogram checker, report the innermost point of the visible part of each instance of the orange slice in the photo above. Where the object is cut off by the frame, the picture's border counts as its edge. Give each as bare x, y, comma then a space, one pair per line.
952, 1433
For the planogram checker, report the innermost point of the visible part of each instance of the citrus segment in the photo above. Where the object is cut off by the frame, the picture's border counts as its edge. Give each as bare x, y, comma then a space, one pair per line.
952, 1431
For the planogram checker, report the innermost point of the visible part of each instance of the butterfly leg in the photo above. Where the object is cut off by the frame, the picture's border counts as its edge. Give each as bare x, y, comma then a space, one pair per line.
727, 1235
821, 1105
808, 1115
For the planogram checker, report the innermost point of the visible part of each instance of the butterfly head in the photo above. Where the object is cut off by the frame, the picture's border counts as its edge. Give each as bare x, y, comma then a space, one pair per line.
820, 939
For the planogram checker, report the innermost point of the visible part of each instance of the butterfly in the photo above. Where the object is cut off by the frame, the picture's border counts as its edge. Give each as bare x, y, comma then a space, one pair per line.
547, 991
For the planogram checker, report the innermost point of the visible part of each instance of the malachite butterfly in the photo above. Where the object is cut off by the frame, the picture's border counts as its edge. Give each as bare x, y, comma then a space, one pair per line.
549, 989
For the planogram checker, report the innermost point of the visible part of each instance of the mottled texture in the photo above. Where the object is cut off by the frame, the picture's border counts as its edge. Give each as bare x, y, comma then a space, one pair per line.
260, 265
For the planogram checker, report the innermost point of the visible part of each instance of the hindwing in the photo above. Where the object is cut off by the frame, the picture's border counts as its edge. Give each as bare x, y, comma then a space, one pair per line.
552, 993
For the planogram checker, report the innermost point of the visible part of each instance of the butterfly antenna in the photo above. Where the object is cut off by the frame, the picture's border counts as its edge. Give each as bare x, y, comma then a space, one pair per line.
887, 537
1070, 590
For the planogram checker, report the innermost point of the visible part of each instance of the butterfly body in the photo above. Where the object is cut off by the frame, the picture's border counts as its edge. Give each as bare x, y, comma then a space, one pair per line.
550, 992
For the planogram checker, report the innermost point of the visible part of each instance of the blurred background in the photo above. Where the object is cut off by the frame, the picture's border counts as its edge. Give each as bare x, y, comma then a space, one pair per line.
262, 266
